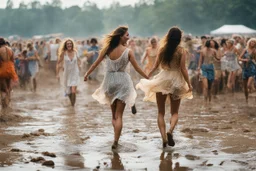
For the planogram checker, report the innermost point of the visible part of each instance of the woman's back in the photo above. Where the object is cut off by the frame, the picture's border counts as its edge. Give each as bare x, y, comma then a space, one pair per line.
175, 62
117, 60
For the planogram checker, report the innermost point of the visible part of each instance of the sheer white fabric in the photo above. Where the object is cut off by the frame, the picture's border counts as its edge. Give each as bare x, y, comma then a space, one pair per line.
117, 83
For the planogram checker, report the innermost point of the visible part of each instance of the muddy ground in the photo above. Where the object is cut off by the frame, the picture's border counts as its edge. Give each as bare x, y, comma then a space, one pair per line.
42, 127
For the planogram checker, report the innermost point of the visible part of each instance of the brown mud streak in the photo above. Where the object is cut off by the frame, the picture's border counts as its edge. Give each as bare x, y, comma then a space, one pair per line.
229, 120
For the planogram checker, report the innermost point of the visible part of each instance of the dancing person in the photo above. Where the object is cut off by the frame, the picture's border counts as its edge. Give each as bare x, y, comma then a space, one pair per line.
54, 55
7, 72
69, 55
172, 82
248, 57
232, 65
207, 57
217, 68
95, 49
150, 55
33, 67
117, 88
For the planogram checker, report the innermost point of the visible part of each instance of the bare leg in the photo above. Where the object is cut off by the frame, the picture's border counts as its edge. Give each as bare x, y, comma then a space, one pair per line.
120, 106
34, 85
205, 88
160, 98
175, 104
250, 83
73, 95
246, 89
113, 109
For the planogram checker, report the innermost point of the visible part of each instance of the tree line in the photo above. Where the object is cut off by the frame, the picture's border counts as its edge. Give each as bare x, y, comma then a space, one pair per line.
146, 18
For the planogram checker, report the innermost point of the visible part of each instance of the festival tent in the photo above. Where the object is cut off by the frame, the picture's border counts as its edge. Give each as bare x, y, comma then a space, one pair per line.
233, 29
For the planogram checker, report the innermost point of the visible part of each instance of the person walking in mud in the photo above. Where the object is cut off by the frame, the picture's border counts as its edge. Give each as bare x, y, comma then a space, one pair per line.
117, 88
248, 57
69, 55
206, 65
7, 72
172, 82
33, 66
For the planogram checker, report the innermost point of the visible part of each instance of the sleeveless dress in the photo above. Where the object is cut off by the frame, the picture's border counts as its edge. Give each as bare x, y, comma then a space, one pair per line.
168, 81
249, 68
71, 73
117, 83
232, 64
151, 60
33, 64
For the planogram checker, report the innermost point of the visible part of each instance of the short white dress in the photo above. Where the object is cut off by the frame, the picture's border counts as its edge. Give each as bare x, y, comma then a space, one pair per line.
117, 83
71, 73
169, 81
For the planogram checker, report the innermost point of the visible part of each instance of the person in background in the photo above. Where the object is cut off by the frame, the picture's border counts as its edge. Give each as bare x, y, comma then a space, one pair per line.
33, 66
248, 57
95, 49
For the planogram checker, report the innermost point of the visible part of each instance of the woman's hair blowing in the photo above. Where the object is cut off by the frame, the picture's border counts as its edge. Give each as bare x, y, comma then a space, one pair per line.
111, 41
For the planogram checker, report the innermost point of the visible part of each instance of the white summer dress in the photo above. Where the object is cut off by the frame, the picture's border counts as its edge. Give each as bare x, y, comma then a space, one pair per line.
71, 73
169, 81
117, 83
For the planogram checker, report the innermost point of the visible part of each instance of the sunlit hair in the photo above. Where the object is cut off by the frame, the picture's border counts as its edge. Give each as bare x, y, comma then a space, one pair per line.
232, 41
168, 46
63, 46
111, 41
130, 41
152, 40
249, 42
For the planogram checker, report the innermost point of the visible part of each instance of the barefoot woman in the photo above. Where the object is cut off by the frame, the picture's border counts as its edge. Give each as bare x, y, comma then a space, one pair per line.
171, 82
117, 88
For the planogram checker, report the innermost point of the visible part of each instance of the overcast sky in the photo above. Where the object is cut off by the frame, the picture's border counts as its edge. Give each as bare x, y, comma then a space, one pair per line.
68, 3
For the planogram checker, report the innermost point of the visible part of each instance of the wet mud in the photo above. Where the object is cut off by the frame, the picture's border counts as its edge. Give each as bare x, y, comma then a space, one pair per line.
42, 131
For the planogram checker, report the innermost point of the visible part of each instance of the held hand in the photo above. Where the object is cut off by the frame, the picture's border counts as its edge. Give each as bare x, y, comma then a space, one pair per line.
190, 87
85, 78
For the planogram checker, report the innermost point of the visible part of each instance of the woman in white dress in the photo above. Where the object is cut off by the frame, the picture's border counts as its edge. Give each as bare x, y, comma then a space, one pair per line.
71, 69
171, 82
117, 88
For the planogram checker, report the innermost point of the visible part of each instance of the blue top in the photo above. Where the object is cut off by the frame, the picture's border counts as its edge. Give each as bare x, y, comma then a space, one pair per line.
95, 56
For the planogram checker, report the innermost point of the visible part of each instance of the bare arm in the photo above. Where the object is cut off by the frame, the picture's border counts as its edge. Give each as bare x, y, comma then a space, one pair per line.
184, 70
94, 65
156, 65
135, 65
200, 61
240, 58
59, 62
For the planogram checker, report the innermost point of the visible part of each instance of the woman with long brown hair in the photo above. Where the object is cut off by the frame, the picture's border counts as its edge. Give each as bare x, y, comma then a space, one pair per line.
171, 82
117, 88
71, 77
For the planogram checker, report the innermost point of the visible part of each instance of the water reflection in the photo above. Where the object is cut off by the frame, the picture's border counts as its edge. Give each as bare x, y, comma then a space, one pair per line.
166, 163
72, 148
116, 162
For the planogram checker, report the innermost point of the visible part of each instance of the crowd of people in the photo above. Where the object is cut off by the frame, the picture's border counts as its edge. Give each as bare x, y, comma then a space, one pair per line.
178, 63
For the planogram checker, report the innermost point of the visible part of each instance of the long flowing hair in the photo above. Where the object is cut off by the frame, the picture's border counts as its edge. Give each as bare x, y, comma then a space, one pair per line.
168, 46
63, 46
111, 41
249, 42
